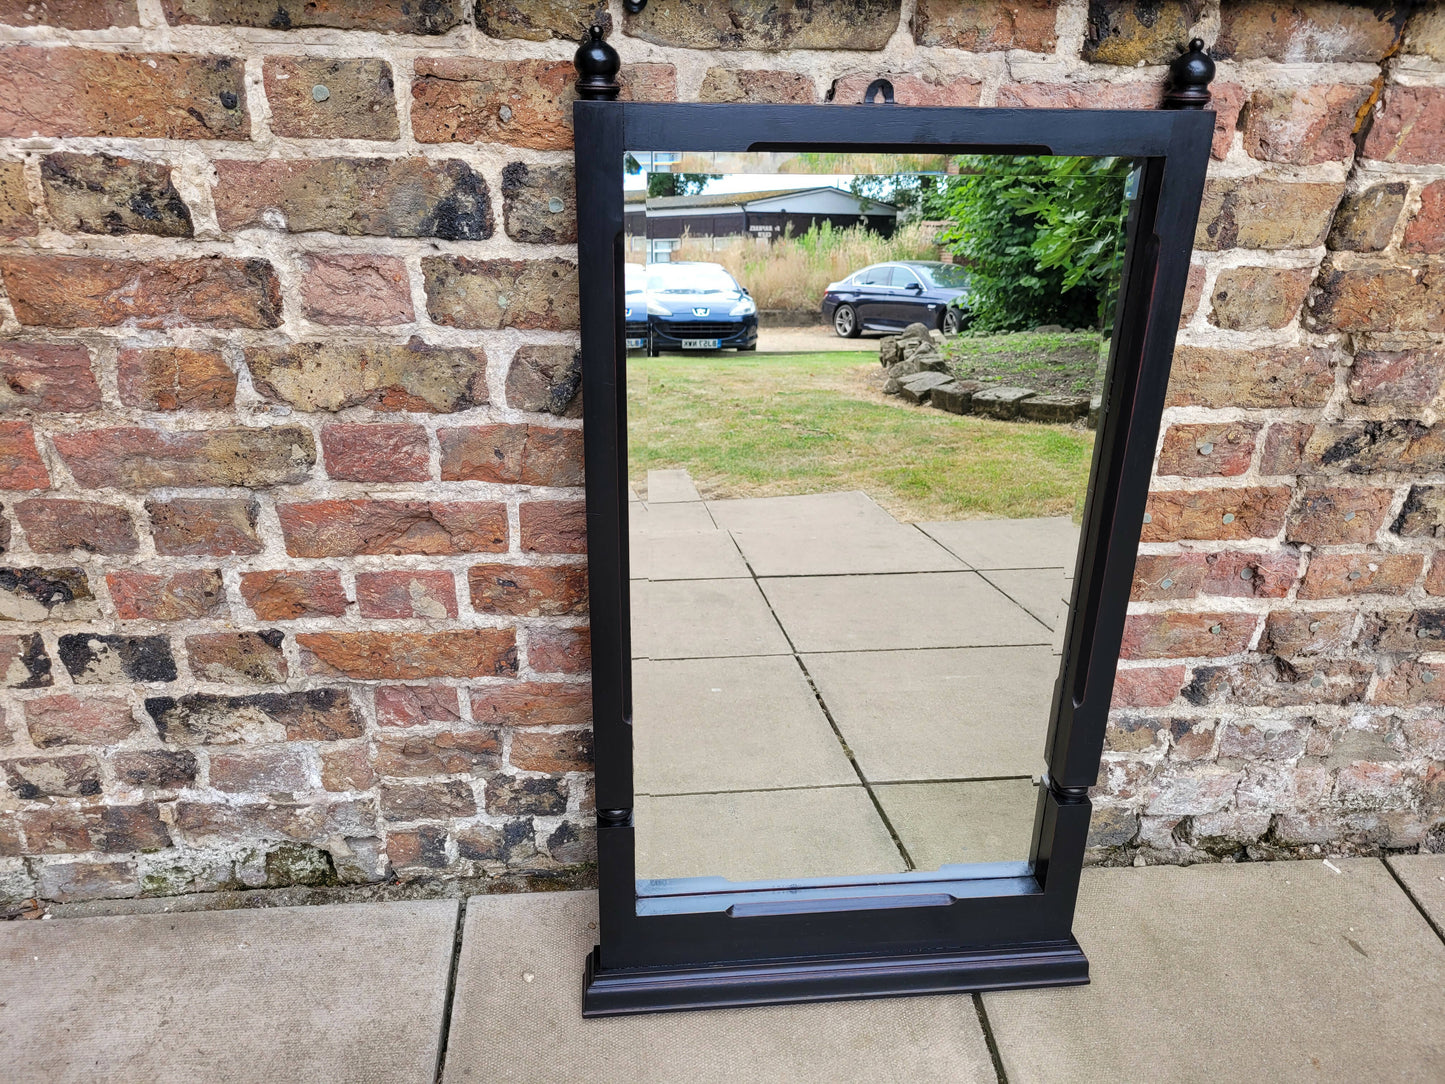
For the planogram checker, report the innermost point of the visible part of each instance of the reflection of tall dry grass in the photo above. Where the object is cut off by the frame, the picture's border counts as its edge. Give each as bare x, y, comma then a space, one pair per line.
793, 272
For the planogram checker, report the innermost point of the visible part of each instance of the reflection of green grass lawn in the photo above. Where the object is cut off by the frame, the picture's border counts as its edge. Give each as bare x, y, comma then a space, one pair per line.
765, 425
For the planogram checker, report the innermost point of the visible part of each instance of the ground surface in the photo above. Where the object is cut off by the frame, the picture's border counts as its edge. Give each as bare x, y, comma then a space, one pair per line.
1051, 364
1285, 972
762, 424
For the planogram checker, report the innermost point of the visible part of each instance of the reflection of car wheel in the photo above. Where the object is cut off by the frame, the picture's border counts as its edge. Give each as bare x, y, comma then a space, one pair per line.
744, 349
845, 322
652, 350
952, 322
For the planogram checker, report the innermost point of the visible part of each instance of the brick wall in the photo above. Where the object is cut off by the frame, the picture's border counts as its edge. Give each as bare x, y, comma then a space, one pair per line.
293, 586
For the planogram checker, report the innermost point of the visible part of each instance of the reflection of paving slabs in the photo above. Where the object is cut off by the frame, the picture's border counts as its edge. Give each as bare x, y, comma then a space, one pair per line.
820, 551
940, 609
730, 724
685, 555
684, 619
959, 714
667, 486
1040, 591
813, 512
942, 823
1010, 543
763, 835
683, 516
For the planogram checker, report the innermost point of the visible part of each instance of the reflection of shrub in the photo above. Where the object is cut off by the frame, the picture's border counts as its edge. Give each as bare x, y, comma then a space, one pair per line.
1043, 238
793, 272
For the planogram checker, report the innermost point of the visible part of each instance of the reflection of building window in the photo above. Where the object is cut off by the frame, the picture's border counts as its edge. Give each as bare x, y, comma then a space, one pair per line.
660, 250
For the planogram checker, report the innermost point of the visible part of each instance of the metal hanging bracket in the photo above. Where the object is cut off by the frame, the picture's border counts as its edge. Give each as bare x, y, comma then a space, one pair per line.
879, 88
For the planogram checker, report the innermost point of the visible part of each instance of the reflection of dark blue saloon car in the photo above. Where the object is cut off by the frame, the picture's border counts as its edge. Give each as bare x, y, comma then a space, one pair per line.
635, 315
698, 306
889, 296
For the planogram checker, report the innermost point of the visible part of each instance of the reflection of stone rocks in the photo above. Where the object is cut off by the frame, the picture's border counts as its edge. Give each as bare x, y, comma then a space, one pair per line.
1054, 408
956, 397
1000, 402
916, 388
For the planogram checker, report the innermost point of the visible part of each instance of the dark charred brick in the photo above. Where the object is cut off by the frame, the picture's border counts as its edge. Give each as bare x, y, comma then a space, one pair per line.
159, 769
76, 776
518, 794
539, 204
101, 193
24, 663
35, 594
93, 660
207, 719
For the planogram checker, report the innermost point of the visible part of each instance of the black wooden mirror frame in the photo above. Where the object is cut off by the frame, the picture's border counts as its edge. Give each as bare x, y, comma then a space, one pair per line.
880, 936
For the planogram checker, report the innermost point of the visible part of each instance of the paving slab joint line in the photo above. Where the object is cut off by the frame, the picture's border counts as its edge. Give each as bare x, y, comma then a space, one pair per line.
451, 988
993, 1051
1439, 931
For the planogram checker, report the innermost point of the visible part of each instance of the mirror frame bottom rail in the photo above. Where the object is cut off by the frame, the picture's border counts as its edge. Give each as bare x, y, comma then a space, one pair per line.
1010, 932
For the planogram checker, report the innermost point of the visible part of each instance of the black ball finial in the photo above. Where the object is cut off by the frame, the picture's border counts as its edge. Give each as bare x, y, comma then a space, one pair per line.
597, 65
1189, 78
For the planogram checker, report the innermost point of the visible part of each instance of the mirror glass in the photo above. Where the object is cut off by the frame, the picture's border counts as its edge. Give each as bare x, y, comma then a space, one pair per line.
861, 399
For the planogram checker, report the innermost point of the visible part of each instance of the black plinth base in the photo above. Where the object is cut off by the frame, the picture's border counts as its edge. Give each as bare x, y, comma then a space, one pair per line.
639, 990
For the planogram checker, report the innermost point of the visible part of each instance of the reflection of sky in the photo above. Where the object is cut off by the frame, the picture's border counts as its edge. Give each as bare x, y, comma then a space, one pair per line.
754, 182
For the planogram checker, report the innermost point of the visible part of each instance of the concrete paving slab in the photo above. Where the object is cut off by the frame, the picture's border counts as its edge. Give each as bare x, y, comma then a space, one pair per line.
686, 555
1040, 591
935, 609
1010, 543
1275, 972
730, 724
517, 1018
870, 548
988, 820
666, 486
682, 619
1424, 877
814, 511
951, 714
351, 992
764, 835
682, 516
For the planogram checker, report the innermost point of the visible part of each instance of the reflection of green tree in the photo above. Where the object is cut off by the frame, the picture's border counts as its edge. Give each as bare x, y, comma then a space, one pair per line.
1042, 237
678, 184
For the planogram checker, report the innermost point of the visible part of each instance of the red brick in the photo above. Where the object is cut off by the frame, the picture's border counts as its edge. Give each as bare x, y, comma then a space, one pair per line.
554, 526
345, 528
526, 103
70, 720
535, 455
1167, 576
541, 751
346, 769
86, 92
172, 378
492, 294
559, 651
1264, 213
376, 197
427, 801
95, 291
58, 526
1186, 635
1309, 30
143, 458
1267, 377
1381, 297
1249, 575
20, 463
986, 27
1397, 377
317, 821
1304, 125
286, 594
532, 704
766, 85
1147, 686
410, 756
422, 848
376, 452
417, 705
383, 16
213, 526
1277, 683
238, 658
1342, 575
1284, 448
1252, 511
1203, 450
115, 828
43, 377
1293, 633
167, 596
529, 591
1426, 231
282, 769
1409, 126
71, 14
156, 769
400, 594
910, 89
413, 376
1435, 578
1081, 95
360, 104
406, 656
1258, 298
1411, 682
1330, 516
341, 288
17, 213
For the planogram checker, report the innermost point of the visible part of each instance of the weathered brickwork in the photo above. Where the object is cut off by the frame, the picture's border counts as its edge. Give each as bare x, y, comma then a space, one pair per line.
293, 586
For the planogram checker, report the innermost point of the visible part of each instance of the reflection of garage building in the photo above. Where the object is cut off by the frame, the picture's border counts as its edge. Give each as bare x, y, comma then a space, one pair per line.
656, 225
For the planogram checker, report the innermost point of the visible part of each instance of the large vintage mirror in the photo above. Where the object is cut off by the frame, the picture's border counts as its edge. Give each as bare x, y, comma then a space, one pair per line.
871, 401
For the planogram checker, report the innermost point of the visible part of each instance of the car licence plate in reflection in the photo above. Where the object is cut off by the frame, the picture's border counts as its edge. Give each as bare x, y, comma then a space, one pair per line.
636, 344
700, 344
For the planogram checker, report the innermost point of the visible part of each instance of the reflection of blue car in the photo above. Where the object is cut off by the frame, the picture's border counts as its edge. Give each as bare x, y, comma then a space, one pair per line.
698, 306
889, 296
634, 316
